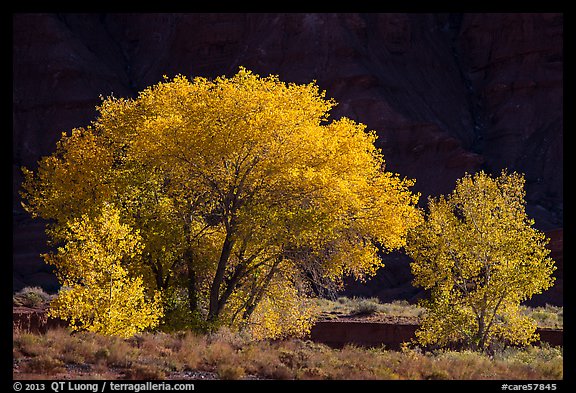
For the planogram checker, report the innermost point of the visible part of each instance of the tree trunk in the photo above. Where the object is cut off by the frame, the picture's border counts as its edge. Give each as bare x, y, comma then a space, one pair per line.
192, 295
157, 270
215, 306
481, 335
256, 296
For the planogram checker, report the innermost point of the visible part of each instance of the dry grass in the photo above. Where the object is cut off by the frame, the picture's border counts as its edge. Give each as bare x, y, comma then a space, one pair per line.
547, 316
58, 354
362, 307
225, 355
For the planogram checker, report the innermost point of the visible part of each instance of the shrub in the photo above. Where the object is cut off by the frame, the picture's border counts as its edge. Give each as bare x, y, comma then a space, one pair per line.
263, 359
28, 344
31, 297
145, 372
546, 362
44, 364
188, 354
233, 338
365, 307
231, 371
402, 308
217, 352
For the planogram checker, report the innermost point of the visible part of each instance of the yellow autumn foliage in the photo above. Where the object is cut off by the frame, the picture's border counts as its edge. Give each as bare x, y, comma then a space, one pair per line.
98, 294
231, 183
480, 256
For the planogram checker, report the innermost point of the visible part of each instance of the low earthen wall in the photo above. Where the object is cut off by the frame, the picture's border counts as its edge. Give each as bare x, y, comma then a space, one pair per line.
34, 321
374, 334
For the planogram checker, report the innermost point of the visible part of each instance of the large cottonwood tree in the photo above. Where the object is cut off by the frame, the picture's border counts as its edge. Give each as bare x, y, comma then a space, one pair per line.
238, 187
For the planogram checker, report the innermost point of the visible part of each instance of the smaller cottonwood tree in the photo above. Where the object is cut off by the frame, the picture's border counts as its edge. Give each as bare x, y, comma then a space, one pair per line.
99, 294
480, 257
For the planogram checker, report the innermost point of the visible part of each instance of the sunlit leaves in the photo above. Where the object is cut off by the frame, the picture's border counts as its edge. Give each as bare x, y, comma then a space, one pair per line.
231, 183
72, 181
98, 293
480, 256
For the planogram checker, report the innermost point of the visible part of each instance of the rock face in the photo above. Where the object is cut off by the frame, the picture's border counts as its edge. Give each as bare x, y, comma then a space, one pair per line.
446, 93
29, 320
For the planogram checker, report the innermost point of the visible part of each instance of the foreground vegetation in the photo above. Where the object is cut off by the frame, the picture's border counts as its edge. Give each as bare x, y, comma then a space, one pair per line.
224, 355
548, 316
